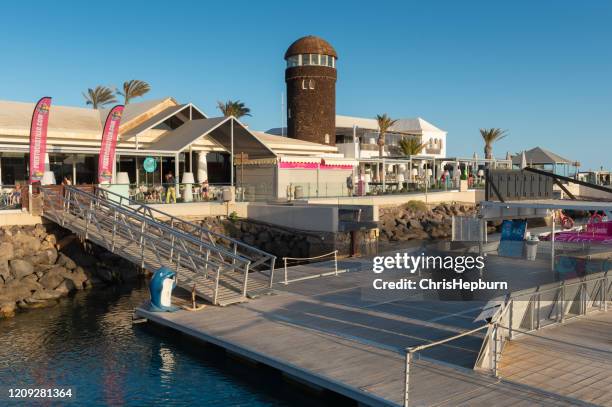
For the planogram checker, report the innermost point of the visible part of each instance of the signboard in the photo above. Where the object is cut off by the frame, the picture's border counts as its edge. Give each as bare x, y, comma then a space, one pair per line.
149, 164
109, 142
512, 236
38, 139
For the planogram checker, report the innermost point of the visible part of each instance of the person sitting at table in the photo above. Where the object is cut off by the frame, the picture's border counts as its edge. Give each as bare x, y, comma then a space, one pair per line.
205, 190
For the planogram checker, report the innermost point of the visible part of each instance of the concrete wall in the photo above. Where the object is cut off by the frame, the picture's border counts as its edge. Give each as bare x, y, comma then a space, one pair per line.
310, 218
584, 192
202, 209
17, 217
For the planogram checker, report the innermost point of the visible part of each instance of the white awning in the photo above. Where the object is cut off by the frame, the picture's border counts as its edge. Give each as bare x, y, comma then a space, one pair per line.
339, 161
297, 159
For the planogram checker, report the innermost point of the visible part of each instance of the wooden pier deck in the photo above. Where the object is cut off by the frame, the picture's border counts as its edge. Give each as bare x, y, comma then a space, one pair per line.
324, 332
573, 359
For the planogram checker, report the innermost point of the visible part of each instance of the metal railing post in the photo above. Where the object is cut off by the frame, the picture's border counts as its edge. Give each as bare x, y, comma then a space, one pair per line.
495, 349
114, 230
407, 378
246, 277
142, 246
336, 262
510, 322
562, 302
216, 293
285, 260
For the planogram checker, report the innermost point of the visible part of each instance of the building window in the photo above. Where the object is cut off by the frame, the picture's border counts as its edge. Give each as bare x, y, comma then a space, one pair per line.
326, 138
306, 59
311, 84
324, 60
304, 84
314, 59
332, 62
289, 113
293, 61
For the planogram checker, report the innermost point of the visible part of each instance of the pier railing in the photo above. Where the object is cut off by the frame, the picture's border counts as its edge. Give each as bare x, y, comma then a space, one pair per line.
219, 275
411, 351
261, 261
530, 310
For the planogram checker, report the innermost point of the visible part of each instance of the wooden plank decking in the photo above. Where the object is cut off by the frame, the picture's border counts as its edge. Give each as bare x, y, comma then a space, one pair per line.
573, 359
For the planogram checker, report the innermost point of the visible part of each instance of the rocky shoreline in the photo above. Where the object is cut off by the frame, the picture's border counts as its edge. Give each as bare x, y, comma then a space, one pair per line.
414, 220
41, 264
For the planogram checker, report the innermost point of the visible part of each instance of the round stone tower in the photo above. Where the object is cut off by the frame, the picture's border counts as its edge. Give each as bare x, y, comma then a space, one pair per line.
311, 90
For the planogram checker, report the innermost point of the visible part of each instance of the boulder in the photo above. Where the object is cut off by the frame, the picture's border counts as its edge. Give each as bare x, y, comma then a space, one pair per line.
78, 277
5, 271
66, 261
37, 258
415, 224
53, 277
51, 254
31, 303
16, 290
29, 244
65, 287
21, 268
45, 295
7, 309
7, 251
51, 239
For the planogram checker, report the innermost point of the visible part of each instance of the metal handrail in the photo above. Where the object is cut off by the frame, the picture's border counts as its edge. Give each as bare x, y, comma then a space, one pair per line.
168, 245
136, 215
556, 311
268, 258
335, 272
414, 349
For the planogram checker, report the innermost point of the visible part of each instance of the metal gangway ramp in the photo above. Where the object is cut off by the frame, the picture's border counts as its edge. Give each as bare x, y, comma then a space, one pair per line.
223, 270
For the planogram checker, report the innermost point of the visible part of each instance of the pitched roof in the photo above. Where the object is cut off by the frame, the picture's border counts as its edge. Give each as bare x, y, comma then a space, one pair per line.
538, 155
186, 134
416, 125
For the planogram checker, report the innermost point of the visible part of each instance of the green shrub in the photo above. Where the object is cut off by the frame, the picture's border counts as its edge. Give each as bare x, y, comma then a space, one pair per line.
233, 216
417, 206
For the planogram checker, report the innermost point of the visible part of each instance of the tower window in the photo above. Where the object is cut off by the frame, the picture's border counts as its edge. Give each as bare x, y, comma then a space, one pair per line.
311, 84
304, 84
293, 61
324, 60
326, 138
306, 59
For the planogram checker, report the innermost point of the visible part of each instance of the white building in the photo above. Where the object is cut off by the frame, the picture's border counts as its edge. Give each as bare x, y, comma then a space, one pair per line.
356, 137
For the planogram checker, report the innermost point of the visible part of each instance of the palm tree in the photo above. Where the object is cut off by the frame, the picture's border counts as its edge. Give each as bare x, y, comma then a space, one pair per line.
133, 89
490, 136
384, 124
411, 146
234, 108
99, 96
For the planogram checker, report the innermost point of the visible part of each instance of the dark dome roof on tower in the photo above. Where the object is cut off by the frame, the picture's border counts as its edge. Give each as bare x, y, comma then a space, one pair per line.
310, 45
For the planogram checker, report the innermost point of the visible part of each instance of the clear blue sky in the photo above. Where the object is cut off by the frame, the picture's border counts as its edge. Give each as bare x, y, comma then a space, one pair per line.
541, 69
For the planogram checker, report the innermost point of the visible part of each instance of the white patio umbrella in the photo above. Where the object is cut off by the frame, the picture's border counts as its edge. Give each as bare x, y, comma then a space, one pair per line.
523, 160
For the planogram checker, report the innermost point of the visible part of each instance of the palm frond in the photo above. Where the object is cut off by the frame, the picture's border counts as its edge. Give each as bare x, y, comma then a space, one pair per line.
132, 89
411, 146
233, 108
99, 96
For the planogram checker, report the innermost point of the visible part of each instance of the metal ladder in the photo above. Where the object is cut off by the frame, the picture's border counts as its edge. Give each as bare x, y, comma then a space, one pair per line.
217, 265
